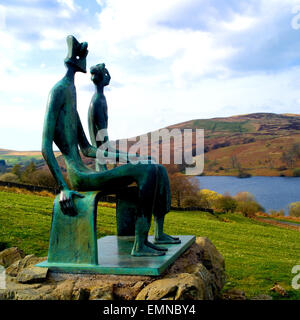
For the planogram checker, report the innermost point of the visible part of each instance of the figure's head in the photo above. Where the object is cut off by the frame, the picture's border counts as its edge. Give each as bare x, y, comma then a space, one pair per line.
100, 75
77, 53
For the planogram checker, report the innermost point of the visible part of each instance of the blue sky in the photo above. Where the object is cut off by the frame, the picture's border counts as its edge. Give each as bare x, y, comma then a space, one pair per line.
170, 61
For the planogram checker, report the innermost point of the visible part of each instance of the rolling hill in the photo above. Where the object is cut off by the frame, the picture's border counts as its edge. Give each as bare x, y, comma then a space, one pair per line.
255, 143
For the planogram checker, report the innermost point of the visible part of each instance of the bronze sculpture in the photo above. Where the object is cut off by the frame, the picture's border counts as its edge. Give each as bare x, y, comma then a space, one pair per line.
98, 120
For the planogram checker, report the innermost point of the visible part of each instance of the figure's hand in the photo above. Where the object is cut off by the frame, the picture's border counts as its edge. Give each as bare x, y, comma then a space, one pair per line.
66, 201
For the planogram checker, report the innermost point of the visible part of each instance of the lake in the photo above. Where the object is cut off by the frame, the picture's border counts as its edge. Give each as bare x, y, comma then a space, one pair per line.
271, 192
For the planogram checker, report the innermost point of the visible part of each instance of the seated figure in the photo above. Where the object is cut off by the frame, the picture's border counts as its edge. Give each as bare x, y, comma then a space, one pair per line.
98, 121
63, 127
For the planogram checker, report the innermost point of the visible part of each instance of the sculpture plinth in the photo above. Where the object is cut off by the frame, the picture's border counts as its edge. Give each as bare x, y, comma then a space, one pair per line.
74, 247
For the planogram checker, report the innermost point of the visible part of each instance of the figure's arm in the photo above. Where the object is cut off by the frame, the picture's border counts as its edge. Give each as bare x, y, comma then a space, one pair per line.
55, 102
86, 148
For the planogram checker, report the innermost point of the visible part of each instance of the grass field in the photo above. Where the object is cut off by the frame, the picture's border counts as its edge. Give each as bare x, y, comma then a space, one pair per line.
257, 255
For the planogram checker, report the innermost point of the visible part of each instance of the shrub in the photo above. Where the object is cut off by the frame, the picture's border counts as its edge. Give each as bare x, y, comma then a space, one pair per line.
274, 213
226, 203
9, 177
294, 209
296, 172
248, 208
192, 201
244, 174
244, 196
209, 199
247, 205
282, 168
42, 178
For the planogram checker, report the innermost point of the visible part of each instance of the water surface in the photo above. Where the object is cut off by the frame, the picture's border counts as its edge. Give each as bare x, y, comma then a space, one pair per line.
271, 192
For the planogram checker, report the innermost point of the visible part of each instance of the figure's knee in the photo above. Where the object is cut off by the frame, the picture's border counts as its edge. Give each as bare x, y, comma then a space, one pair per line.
147, 174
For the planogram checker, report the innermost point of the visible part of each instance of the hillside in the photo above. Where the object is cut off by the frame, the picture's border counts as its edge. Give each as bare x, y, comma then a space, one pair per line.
256, 254
252, 142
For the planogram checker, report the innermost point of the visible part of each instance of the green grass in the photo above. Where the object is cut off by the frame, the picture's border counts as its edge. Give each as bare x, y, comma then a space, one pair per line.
256, 254
215, 126
15, 159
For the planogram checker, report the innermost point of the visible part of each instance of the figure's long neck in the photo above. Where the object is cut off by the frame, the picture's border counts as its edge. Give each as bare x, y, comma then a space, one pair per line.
99, 89
70, 75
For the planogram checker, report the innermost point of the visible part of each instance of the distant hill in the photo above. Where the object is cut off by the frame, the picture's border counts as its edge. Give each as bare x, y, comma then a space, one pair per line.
253, 142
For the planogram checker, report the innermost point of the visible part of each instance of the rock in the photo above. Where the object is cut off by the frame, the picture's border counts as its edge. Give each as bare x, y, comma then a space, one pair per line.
262, 297
198, 274
104, 292
81, 294
26, 262
10, 255
212, 260
279, 289
234, 294
6, 294
64, 290
32, 274
206, 277
184, 286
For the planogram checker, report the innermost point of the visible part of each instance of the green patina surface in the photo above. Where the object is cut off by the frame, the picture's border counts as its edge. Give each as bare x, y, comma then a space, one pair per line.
114, 257
73, 239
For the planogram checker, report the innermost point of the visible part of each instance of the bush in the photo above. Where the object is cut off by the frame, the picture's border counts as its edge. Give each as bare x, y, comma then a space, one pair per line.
294, 209
247, 205
192, 201
9, 177
42, 178
249, 208
244, 196
274, 213
226, 203
296, 172
209, 199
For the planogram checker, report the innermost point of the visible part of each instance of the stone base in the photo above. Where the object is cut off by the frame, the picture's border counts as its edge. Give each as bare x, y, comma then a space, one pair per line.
114, 257
198, 274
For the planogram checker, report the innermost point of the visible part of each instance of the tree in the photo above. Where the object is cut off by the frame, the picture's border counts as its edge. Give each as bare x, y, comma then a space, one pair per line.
43, 178
29, 170
182, 186
294, 209
247, 205
227, 203
16, 169
9, 177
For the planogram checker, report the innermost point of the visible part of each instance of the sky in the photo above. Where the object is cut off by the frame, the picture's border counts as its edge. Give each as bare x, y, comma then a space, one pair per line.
170, 61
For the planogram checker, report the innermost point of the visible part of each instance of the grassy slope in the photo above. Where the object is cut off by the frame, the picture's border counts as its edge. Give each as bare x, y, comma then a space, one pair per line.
257, 255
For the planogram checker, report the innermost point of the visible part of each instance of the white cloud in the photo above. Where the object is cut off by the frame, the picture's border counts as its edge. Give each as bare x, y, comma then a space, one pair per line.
240, 23
162, 73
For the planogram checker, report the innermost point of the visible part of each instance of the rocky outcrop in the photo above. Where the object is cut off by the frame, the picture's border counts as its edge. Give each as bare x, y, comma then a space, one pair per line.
18, 266
198, 274
10, 255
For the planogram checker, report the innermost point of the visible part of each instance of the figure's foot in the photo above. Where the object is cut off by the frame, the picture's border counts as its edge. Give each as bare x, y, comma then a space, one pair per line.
166, 239
145, 251
153, 246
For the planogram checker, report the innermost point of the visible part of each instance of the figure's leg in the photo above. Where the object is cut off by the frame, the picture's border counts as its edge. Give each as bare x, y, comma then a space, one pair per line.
140, 247
162, 207
161, 237
146, 178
